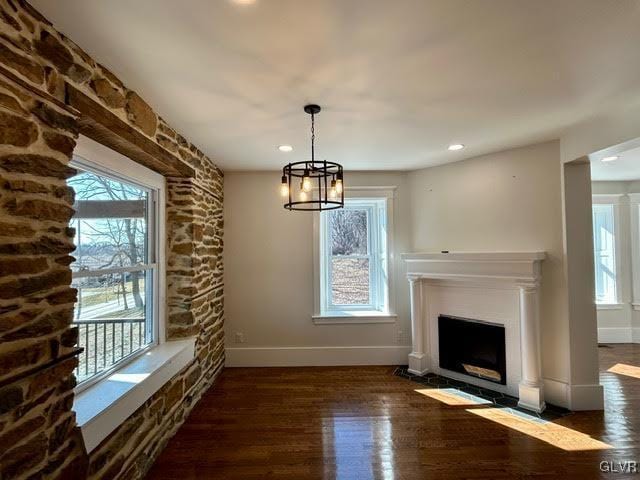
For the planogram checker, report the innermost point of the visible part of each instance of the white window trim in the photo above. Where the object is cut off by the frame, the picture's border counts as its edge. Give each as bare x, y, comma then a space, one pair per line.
104, 406
357, 317
610, 306
101, 406
634, 227
615, 200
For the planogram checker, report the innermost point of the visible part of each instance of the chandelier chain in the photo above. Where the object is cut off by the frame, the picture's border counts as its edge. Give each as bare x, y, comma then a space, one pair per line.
313, 137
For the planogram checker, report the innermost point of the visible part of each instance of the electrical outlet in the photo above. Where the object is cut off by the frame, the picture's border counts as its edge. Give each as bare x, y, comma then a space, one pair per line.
239, 337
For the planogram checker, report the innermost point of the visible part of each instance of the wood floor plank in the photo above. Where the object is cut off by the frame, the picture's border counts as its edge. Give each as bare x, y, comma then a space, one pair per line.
365, 423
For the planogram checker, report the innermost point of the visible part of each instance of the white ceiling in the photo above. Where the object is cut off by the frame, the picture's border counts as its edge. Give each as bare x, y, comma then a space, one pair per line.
398, 81
626, 167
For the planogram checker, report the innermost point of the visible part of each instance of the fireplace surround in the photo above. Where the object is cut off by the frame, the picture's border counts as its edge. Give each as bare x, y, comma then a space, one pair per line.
496, 287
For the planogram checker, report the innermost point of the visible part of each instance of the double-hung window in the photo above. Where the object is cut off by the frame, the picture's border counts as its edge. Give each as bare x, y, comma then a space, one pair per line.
353, 258
604, 241
116, 267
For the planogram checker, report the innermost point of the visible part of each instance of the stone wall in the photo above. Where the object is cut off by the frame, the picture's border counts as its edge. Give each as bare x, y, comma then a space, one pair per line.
40, 69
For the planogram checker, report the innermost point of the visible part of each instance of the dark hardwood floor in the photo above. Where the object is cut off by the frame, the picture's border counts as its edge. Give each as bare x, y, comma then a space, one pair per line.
365, 423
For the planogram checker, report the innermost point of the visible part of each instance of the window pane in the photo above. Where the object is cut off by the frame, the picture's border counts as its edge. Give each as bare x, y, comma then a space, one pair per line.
110, 222
111, 315
604, 253
350, 281
348, 229
114, 313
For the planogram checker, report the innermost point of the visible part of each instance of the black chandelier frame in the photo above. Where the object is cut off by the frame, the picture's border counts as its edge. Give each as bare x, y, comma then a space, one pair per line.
323, 175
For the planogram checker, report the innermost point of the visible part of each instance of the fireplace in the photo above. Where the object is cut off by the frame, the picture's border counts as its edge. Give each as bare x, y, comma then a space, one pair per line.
472, 347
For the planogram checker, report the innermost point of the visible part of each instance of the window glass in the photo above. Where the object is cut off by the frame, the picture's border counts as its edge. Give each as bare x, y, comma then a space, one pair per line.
604, 253
354, 256
350, 281
348, 232
113, 271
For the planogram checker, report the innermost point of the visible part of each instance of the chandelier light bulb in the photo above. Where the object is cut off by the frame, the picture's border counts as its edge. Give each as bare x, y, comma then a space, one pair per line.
284, 187
303, 196
332, 191
306, 182
339, 186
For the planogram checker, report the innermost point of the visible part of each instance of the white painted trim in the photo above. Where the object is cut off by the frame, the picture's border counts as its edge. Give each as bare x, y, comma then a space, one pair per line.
607, 198
635, 334
556, 392
586, 397
615, 334
95, 157
518, 272
90, 153
508, 268
316, 356
634, 234
354, 317
101, 408
609, 306
502, 257
373, 192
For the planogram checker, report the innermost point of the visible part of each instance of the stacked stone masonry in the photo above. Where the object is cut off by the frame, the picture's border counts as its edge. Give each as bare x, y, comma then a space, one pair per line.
39, 437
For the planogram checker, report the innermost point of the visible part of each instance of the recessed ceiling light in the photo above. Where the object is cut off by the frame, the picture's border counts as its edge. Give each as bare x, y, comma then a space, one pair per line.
285, 148
456, 146
610, 159
244, 2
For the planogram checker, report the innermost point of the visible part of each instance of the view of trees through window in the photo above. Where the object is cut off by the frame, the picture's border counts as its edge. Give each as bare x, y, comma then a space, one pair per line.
110, 272
604, 253
350, 262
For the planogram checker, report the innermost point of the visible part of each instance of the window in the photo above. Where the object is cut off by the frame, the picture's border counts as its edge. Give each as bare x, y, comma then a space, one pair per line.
116, 267
604, 253
353, 257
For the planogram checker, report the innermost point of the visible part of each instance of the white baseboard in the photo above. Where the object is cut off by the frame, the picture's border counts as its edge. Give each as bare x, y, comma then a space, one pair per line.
635, 335
586, 397
316, 356
615, 335
556, 393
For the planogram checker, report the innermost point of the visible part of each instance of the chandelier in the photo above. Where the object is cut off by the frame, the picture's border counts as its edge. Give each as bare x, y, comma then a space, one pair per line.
313, 185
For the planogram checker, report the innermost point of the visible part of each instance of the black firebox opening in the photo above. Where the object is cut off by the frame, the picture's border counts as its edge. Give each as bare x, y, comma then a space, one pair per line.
472, 347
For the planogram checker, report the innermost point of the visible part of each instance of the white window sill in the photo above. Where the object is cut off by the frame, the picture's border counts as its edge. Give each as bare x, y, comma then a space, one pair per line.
354, 317
101, 408
609, 306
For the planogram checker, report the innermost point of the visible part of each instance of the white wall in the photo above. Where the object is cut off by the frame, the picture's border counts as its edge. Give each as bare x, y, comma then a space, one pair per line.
269, 281
507, 201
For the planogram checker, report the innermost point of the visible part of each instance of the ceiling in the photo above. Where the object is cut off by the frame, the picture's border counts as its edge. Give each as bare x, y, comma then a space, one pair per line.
625, 167
398, 81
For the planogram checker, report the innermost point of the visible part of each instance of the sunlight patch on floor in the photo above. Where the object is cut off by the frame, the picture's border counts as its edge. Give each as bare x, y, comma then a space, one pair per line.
452, 396
551, 433
625, 369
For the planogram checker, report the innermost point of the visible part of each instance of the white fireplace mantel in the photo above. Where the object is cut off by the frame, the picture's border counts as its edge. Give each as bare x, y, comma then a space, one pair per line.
517, 271
512, 267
